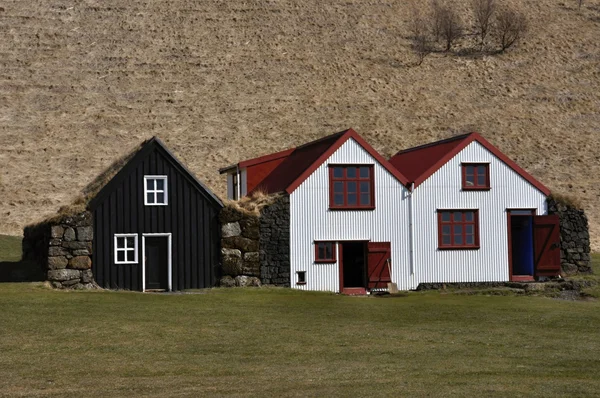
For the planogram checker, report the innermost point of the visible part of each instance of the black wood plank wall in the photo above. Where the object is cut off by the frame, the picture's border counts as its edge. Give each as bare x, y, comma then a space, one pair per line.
191, 216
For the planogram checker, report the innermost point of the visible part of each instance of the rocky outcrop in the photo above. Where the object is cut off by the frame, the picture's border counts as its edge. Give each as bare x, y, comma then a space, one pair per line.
574, 237
63, 248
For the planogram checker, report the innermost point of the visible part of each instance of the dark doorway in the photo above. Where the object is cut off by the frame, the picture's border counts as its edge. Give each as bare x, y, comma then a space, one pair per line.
520, 225
157, 262
353, 264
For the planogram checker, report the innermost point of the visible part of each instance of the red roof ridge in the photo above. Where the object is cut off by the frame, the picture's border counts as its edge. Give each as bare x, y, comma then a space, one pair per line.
343, 137
266, 158
444, 156
434, 143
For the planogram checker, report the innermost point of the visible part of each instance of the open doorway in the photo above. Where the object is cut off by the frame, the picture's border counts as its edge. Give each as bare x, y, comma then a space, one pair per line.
353, 265
521, 249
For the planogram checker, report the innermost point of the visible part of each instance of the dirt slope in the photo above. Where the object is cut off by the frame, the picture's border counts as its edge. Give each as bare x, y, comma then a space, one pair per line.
83, 81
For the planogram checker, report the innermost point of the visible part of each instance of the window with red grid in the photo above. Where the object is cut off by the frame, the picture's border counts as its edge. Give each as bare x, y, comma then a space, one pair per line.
458, 229
351, 187
475, 176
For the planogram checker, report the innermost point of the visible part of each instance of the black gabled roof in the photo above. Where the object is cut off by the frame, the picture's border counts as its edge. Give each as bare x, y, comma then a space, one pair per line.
136, 157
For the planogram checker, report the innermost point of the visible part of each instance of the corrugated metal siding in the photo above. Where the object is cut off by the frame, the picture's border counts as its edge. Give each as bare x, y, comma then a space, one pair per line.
443, 191
190, 216
312, 220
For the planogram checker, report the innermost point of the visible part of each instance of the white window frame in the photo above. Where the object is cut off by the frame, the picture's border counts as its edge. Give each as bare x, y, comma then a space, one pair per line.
170, 260
126, 248
155, 191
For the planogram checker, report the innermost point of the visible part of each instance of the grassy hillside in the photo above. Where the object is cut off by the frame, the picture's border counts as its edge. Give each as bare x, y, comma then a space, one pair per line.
279, 342
82, 82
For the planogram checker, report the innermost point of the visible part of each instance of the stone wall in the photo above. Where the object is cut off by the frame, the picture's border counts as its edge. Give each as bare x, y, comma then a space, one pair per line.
275, 243
239, 247
63, 248
574, 237
255, 249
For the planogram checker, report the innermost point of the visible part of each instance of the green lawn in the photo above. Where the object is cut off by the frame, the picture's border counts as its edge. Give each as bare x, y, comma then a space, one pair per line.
266, 342
10, 248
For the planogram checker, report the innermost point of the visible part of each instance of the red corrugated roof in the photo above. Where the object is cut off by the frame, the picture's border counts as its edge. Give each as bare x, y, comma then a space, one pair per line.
419, 163
414, 162
301, 162
296, 163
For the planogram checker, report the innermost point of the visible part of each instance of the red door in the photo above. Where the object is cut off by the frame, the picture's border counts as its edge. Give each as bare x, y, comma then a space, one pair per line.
378, 264
546, 242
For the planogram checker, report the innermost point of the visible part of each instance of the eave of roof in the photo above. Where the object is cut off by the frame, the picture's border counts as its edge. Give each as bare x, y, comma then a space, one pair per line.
302, 161
402, 159
141, 153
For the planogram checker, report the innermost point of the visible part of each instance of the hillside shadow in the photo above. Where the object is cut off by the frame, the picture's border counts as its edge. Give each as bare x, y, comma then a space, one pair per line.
20, 271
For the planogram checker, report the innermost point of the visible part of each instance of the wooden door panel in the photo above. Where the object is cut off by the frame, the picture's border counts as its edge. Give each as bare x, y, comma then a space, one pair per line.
546, 240
156, 262
379, 255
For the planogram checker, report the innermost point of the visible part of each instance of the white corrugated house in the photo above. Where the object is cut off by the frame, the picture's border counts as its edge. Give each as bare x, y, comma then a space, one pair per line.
476, 215
452, 211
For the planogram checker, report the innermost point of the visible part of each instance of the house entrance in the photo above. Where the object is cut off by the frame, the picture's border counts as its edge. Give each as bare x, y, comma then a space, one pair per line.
353, 266
156, 271
533, 245
521, 243
364, 265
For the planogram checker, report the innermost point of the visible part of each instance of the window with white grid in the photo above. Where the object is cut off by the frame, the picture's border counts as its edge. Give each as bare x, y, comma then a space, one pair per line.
126, 248
155, 190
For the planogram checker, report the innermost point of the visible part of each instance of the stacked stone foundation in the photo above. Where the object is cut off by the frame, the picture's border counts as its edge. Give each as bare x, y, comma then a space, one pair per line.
63, 248
256, 247
574, 237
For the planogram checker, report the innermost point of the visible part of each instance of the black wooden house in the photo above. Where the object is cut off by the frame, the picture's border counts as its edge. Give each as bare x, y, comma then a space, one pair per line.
156, 226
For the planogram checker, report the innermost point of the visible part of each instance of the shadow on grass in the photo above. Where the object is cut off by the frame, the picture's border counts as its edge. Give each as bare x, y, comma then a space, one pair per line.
20, 271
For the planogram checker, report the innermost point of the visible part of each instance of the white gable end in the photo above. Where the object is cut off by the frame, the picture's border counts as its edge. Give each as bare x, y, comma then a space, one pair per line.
443, 190
311, 219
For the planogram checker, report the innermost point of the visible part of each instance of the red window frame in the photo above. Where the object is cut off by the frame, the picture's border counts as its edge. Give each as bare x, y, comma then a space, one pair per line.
325, 259
457, 240
477, 172
345, 180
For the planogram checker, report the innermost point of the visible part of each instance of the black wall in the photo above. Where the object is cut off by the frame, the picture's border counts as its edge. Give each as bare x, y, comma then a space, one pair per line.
191, 216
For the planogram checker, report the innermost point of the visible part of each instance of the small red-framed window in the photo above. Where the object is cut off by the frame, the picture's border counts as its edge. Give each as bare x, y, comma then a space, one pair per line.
475, 176
458, 229
325, 252
351, 187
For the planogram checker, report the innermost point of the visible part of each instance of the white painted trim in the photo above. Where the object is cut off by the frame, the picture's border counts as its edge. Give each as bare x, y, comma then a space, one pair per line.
165, 191
169, 258
135, 249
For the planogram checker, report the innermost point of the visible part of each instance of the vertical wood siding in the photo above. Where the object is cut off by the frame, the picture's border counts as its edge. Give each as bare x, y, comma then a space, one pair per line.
443, 191
311, 220
190, 216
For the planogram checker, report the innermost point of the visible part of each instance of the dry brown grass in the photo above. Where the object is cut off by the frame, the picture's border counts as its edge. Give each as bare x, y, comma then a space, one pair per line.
568, 200
252, 204
222, 81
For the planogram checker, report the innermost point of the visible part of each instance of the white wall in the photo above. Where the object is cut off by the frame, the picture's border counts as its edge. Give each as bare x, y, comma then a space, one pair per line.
311, 220
443, 191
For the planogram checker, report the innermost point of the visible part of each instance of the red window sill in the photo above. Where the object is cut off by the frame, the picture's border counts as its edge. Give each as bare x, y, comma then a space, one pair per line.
458, 248
476, 188
352, 208
325, 261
